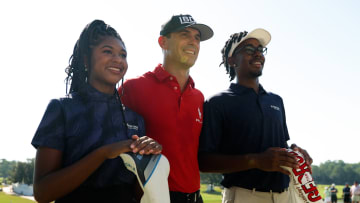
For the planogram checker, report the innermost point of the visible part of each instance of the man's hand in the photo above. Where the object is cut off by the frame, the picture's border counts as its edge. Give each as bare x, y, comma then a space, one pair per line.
275, 157
307, 157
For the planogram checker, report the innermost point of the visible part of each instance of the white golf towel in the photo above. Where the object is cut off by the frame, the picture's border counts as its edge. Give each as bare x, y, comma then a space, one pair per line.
302, 187
152, 173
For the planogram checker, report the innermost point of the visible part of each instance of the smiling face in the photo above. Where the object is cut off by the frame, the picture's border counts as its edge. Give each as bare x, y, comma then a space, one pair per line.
107, 64
182, 48
248, 66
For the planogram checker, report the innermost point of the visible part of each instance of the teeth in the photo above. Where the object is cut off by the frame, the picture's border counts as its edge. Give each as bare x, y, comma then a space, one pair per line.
116, 69
190, 52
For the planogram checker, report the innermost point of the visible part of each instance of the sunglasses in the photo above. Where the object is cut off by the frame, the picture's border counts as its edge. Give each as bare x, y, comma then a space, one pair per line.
251, 50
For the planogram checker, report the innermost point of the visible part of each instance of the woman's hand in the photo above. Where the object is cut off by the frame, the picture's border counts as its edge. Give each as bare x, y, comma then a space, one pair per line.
145, 145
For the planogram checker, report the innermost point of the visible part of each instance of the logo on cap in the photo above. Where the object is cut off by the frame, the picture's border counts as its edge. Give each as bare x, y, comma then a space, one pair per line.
186, 19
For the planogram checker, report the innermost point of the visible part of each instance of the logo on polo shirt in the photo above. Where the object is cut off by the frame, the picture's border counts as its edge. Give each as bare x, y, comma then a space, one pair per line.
199, 120
275, 107
132, 127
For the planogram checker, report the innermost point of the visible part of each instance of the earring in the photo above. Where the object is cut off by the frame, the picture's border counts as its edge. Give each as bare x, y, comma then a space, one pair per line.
85, 68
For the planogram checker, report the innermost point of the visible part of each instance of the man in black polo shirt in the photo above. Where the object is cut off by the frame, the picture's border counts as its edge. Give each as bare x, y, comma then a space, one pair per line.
244, 133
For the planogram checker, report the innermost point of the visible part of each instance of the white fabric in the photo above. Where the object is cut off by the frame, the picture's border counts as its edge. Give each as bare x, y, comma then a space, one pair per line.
355, 198
242, 195
155, 185
302, 187
260, 34
355, 190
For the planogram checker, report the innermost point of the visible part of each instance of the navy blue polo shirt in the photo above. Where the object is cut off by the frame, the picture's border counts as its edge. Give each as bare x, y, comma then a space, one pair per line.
239, 121
81, 123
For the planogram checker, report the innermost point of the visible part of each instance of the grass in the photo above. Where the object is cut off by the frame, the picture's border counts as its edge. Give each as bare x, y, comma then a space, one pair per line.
321, 189
213, 197
5, 198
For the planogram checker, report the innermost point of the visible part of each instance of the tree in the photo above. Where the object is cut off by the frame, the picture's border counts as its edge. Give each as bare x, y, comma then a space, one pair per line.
211, 178
6, 167
23, 172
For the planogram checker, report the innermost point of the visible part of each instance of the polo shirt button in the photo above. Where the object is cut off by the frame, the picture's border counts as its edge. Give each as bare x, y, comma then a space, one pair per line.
171, 78
175, 88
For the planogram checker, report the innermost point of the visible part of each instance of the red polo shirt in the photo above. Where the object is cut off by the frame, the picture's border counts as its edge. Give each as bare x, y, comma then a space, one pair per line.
173, 118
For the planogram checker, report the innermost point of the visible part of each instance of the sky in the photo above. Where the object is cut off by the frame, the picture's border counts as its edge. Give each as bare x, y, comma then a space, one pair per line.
311, 61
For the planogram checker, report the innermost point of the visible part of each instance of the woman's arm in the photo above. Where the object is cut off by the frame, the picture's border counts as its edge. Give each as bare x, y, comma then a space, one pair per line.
49, 175
52, 182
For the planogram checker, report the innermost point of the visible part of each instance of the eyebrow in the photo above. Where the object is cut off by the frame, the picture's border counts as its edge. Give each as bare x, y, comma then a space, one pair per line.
107, 46
111, 47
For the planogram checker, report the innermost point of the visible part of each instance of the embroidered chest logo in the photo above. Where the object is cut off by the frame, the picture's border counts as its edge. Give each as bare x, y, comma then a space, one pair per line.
275, 107
132, 127
199, 120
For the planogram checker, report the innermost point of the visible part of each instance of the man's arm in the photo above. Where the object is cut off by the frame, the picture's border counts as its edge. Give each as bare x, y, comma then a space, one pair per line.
270, 160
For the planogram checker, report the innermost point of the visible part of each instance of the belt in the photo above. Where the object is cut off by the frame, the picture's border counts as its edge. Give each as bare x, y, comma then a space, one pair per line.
185, 197
267, 190
271, 191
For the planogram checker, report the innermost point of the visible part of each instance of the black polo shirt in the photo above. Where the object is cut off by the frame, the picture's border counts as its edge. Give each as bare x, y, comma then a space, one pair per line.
240, 121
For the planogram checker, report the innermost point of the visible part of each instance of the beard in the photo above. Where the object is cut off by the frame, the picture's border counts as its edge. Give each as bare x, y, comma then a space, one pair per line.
256, 74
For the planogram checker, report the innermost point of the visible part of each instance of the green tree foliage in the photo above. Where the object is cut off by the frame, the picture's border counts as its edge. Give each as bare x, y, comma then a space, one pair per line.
327, 173
21, 172
210, 178
6, 168
336, 172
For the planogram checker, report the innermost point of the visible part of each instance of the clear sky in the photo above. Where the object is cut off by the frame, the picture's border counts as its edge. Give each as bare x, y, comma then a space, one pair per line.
311, 61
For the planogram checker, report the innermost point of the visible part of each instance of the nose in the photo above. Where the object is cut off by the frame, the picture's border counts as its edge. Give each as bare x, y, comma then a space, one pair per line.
118, 58
194, 42
258, 54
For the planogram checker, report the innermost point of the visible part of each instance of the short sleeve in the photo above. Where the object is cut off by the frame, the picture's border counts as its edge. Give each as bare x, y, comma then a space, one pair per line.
50, 132
287, 136
212, 129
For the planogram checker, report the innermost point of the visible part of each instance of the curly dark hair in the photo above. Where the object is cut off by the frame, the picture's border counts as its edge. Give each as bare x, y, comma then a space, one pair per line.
92, 35
234, 38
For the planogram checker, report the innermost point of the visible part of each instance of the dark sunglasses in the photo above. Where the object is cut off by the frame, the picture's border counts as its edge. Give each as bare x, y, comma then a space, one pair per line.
251, 50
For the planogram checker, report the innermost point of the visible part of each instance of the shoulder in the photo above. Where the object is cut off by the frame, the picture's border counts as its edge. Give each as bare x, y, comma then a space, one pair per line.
221, 97
70, 100
274, 96
137, 84
139, 80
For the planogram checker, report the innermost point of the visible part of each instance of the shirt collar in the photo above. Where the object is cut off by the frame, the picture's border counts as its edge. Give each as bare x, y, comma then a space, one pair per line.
240, 89
161, 74
90, 93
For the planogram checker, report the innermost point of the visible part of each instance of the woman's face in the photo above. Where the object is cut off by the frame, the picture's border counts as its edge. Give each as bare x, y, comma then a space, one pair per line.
108, 64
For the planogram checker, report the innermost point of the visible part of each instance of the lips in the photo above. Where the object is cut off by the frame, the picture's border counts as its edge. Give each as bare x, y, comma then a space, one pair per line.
116, 69
257, 63
190, 52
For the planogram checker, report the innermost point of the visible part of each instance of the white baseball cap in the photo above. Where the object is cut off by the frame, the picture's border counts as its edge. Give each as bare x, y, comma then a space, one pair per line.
260, 34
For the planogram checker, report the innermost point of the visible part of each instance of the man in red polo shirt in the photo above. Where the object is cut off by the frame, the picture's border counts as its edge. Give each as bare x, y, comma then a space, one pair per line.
171, 106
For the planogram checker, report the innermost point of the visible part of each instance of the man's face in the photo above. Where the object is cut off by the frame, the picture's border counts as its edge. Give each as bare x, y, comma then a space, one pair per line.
183, 47
248, 64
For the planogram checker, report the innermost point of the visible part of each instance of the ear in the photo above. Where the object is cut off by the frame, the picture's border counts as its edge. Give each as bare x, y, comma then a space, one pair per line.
162, 42
86, 61
231, 62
